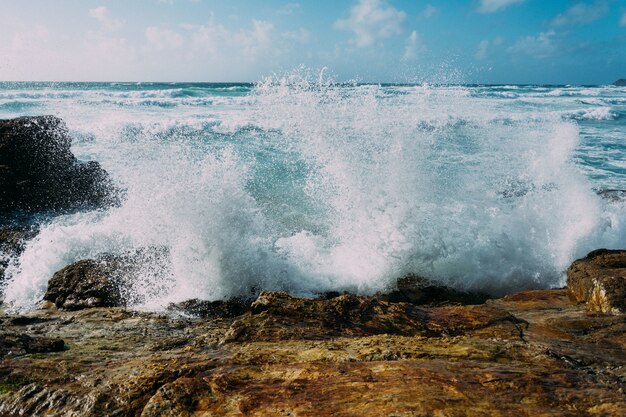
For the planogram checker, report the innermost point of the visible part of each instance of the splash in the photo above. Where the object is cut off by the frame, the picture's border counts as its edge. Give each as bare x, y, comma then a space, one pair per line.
305, 185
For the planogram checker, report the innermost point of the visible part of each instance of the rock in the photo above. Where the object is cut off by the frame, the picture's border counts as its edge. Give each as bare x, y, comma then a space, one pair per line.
85, 284
179, 398
38, 171
205, 309
528, 354
620, 83
105, 281
20, 344
418, 290
611, 195
599, 281
12, 242
280, 316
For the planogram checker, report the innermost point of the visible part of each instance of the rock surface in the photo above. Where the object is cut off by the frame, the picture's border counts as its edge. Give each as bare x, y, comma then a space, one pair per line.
84, 284
528, 354
599, 281
38, 171
12, 242
105, 281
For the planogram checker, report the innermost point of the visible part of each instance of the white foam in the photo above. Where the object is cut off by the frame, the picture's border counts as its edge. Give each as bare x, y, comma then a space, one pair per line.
308, 186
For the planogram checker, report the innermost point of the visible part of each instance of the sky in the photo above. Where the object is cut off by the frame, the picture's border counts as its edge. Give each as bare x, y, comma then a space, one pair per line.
404, 41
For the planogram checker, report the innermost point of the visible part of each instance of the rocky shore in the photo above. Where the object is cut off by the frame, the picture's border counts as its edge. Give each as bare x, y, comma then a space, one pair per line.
420, 349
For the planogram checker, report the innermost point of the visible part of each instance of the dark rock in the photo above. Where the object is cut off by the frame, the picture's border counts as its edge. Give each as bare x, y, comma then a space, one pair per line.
206, 309
85, 284
418, 290
12, 242
178, 398
105, 281
38, 171
612, 195
599, 281
20, 344
280, 316
620, 83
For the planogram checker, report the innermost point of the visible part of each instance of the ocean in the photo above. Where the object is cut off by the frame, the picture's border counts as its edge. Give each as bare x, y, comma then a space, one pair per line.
302, 184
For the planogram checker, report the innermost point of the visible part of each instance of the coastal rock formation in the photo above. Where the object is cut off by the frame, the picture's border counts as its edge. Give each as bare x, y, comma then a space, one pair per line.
38, 171
106, 280
12, 242
599, 281
418, 290
530, 353
22, 344
85, 284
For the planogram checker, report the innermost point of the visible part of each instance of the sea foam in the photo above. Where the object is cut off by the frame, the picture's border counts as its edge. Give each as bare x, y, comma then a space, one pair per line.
305, 185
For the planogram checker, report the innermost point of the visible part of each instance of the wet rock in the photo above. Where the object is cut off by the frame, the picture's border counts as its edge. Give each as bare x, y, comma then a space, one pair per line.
85, 284
418, 290
12, 344
38, 171
612, 195
12, 243
599, 281
105, 281
567, 363
180, 398
280, 316
205, 309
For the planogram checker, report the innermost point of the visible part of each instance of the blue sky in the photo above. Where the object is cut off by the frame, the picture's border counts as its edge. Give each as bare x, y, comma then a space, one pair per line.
486, 41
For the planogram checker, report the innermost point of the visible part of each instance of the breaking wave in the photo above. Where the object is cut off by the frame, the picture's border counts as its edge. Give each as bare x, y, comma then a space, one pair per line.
305, 185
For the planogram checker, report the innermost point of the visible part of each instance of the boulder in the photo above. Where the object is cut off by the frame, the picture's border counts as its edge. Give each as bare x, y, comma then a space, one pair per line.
85, 284
210, 309
38, 171
105, 281
418, 290
599, 281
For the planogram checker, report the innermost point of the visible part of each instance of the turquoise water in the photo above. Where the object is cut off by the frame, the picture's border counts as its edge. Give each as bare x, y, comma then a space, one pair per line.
305, 185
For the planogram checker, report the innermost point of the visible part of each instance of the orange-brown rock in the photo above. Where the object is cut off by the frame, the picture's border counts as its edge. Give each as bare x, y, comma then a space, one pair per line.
528, 354
599, 281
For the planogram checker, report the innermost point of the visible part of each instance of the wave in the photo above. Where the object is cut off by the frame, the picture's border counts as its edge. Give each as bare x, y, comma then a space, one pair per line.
307, 185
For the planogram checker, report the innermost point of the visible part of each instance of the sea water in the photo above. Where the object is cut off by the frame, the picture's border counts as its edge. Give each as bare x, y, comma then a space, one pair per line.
302, 184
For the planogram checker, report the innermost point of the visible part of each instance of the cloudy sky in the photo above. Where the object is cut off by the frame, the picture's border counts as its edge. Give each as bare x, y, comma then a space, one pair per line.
487, 41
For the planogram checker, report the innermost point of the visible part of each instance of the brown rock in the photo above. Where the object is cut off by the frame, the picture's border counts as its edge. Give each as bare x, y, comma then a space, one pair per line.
84, 284
599, 281
19, 344
567, 363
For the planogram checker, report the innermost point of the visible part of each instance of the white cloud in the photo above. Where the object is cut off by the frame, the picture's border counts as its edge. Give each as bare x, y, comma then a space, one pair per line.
413, 47
622, 22
102, 14
429, 11
215, 39
163, 38
541, 46
490, 6
371, 20
289, 8
482, 50
581, 14
300, 36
